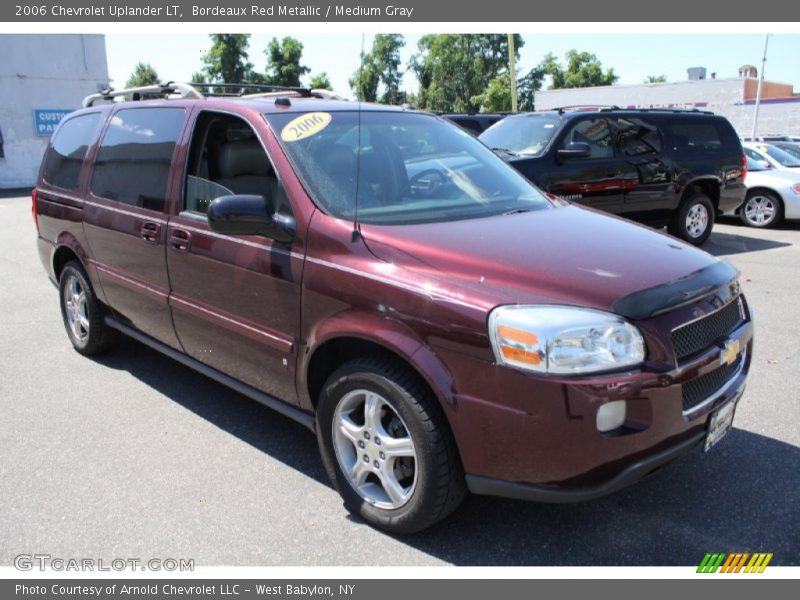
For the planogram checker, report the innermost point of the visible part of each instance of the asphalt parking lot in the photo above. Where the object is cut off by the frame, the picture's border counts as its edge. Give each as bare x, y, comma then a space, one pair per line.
134, 455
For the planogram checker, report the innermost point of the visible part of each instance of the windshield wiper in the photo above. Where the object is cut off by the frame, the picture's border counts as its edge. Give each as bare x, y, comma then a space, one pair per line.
518, 211
505, 151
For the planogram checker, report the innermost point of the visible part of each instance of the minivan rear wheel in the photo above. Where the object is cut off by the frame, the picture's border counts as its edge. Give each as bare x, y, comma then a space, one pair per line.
694, 220
387, 447
761, 209
83, 313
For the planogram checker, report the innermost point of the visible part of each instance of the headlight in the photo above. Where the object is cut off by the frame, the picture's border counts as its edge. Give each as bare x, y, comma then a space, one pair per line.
563, 339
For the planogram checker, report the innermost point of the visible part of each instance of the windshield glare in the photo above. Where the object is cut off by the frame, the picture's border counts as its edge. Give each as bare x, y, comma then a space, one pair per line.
526, 135
399, 168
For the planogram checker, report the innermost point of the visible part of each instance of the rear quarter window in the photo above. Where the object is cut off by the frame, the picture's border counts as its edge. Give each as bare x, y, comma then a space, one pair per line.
64, 159
703, 136
135, 156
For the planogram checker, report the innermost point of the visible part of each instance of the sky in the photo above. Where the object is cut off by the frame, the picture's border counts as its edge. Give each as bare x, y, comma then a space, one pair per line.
633, 57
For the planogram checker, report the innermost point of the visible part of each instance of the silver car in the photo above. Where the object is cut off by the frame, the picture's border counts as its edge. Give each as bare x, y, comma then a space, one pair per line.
772, 194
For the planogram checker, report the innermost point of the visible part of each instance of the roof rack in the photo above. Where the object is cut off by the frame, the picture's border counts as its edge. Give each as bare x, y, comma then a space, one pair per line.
577, 107
675, 110
170, 88
198, 91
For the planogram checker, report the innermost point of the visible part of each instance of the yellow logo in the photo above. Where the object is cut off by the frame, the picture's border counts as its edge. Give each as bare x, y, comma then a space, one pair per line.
730, 352
305, 126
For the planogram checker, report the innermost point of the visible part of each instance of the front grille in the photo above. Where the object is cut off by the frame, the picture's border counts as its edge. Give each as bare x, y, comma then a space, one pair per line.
699, 335
703, 387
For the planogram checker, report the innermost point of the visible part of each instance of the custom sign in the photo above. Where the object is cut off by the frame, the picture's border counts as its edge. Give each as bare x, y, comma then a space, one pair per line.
45, 120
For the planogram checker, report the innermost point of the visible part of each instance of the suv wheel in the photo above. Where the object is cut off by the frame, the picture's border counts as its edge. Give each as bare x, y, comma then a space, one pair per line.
761, 209
83, 313
694, 220
387, 446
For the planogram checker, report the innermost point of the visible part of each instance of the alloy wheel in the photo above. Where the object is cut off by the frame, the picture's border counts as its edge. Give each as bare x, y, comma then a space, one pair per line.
76, 308
374, 449
697, 220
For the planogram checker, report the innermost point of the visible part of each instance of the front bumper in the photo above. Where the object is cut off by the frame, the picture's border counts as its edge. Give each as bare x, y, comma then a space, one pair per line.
539, 440
488, 486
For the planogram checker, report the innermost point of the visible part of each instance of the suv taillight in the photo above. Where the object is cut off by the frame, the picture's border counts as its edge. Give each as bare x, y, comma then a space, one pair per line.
744, 167
33, 209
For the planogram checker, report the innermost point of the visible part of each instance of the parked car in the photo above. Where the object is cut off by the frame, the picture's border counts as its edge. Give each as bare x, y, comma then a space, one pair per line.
382, 277
661, 167
772, 194
475, 123
774, 156
792, 148
775, 137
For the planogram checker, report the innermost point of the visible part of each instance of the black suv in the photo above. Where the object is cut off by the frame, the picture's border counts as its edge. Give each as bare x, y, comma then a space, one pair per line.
673, 168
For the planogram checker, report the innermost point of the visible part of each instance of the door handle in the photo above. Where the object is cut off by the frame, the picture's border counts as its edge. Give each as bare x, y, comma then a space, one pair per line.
180, 240
150, 231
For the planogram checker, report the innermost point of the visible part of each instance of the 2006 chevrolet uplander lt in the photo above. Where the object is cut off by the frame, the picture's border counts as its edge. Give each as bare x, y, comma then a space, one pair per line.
384, 278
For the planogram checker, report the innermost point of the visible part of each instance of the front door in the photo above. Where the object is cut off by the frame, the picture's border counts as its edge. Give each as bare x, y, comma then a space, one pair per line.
235, 299
596, 181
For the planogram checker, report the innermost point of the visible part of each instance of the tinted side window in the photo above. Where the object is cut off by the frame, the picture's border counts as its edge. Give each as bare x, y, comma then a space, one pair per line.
636, 137
134, 159
703, 136
68, 149
594, 132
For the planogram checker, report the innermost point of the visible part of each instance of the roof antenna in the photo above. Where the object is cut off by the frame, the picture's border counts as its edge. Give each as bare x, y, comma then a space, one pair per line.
356, 228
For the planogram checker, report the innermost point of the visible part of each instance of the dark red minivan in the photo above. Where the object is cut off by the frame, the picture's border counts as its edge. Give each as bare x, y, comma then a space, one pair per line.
382, 277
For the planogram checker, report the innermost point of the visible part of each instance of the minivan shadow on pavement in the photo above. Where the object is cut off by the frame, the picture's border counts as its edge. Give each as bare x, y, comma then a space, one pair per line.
701, 503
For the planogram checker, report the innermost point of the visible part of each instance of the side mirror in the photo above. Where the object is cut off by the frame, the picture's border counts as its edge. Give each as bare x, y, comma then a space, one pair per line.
763, 164
575, 150
248, 214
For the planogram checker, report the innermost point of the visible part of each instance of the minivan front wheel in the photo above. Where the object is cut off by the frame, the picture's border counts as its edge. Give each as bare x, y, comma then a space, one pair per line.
83, 313
387, 447
694, 220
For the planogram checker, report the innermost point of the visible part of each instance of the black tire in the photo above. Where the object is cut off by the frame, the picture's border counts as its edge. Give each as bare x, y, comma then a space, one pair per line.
680, 226
95, 338
439, 485
767, 199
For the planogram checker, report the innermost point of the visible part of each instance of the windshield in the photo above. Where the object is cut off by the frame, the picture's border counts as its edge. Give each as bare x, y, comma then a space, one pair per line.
783, 158
399, 168
526, 135
793, 149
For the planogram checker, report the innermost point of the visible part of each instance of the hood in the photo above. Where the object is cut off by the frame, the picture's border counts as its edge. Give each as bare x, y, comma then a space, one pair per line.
565, 255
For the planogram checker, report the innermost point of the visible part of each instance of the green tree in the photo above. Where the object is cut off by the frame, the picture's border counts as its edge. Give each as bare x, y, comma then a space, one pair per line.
380, 69
227, 60
320, 81
453, 69
283, 62
583, 69
198, 77
366, 79
497, 95
527, 87
143, 74
655, 79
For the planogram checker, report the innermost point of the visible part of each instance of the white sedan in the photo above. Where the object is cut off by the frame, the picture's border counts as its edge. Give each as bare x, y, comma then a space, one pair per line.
772, 194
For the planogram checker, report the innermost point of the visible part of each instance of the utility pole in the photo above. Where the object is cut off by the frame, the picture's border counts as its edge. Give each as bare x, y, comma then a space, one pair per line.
512, 71
760, 84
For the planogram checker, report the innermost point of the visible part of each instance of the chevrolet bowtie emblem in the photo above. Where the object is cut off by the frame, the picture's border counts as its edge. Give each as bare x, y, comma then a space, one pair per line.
729, 352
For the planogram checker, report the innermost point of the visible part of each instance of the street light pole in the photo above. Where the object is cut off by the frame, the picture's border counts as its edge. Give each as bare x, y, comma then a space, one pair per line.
760, 84
512, 71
